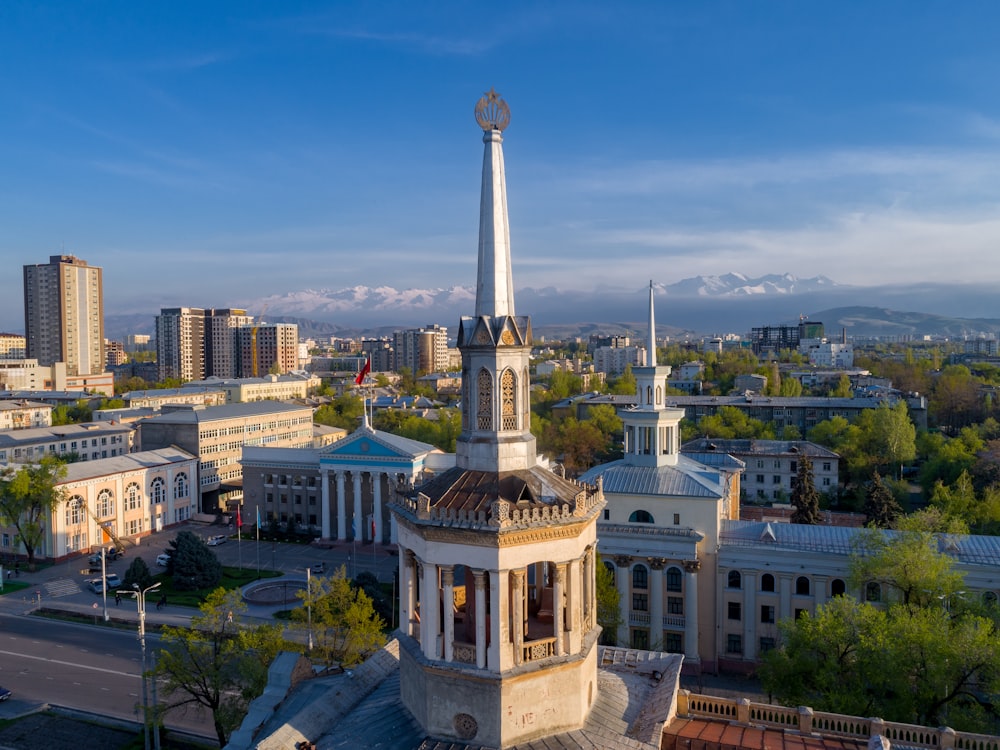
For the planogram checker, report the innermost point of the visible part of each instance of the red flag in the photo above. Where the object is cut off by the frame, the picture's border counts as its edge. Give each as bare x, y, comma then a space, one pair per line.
239, 519
364, 371
373, 529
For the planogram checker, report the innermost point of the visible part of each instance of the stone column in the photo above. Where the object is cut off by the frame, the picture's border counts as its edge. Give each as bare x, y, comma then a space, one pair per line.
499, 652
406, 590
820, 584
784, 596
377, 505
326, 510
517, 616
574, 587
558, 586
448, 594
691, 567
429, 607
358, 524
588, 588
750, 616
341, 508
480, 580
622, 583
656, 602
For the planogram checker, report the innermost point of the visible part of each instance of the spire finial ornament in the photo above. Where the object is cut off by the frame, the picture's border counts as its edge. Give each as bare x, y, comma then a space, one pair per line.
492, 112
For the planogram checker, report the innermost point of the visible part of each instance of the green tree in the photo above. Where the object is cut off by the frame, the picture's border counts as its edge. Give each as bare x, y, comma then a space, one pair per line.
791, 388
729, 422
805, 498
609, 614
891, 434
29, 495
842, 389
954, 400
345, 625
624, 384
193, 563
921, 656
217, 663
138, 573
345, 412
881, 507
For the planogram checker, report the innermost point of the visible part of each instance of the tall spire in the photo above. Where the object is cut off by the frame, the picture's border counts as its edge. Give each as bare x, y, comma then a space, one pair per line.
651, 361
495, 285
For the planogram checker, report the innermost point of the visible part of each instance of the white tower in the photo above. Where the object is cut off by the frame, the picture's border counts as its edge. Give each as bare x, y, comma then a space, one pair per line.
652, 430
498, 614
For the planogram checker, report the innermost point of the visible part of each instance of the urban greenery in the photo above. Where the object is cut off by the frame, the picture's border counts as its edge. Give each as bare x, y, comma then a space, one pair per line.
29, 496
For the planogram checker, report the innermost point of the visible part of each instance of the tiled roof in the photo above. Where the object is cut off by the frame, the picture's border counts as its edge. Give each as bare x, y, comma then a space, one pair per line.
463, 489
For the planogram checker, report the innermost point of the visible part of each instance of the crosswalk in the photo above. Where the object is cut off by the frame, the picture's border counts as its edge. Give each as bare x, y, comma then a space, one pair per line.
62, 587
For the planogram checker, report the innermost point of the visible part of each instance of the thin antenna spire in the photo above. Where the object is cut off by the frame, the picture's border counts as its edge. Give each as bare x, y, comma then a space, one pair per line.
652, 329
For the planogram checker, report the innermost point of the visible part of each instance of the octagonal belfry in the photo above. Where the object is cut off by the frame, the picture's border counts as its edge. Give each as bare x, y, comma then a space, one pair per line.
498, 613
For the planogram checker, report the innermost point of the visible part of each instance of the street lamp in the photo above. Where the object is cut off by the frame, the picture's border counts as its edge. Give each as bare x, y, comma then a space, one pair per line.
140, 603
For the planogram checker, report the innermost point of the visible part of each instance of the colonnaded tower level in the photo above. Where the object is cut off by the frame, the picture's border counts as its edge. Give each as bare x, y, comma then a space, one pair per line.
498, 615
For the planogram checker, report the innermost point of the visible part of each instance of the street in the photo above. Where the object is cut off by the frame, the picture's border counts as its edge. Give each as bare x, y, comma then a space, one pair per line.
78, 666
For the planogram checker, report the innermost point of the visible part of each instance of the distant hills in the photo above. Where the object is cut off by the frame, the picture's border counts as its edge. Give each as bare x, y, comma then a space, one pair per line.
702, 305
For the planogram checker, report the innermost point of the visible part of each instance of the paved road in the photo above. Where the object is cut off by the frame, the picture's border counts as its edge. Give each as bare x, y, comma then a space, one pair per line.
91, 669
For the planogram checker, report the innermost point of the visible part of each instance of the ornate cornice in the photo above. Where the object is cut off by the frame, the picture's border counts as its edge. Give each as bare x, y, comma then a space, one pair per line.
691, 566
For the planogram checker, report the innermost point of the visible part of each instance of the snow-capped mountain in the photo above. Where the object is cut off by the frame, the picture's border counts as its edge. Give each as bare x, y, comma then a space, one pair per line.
736, 285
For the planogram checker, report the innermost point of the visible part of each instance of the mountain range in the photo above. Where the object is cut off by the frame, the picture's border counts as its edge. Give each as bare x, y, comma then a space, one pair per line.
702, 305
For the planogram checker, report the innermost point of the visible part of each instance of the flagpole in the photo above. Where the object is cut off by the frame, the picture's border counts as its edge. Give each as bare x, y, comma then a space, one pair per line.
258, 542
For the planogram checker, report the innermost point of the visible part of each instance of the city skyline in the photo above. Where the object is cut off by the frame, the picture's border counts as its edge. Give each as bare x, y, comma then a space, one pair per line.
216, 154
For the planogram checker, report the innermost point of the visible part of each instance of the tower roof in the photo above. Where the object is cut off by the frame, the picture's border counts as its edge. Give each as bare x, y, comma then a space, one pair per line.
495, 286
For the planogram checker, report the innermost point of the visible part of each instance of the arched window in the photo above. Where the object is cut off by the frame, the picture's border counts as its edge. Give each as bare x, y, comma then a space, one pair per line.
641, 516
649, 394
837, 587
659, 395
74, 510
735, 580
674, 578
802, 586
508, 401
989, 598
133, 497
767, 582
105, 504
873, 592
484, 405
611, 569
181, 487
640, 577
157, 491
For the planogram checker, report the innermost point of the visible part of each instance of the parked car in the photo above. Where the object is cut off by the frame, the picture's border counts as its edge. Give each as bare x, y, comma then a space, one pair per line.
163, 560
215, 541
317, 568
96, 585
4, 693
94, 564
113, 580
114, 553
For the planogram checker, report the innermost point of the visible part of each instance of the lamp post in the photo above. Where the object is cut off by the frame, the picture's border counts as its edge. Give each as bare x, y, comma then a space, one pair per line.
309, 606
140, 603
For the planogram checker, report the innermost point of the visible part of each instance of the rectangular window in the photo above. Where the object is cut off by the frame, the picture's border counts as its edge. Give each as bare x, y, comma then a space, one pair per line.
640, 602
674, 643
826, 466
735, 611
640, 638
766, 644
675, 605
760, 463
826, 481
677, 519
777, 463
607, 514
766, 613
793, 466
776, 479
760, 479
734, 644
799, 613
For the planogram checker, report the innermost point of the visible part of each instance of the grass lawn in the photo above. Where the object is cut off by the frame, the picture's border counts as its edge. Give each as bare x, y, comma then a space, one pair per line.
13, 587
232, 578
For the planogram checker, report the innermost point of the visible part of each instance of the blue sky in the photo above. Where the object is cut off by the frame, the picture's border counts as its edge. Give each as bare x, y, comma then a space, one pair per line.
213, 153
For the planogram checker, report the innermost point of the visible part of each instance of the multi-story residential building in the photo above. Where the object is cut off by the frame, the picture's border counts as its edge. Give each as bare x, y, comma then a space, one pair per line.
12, 346
127, 496
114, 353
20, 415
217, 435
180, 343
773, 339
157, 398
831, 354
64, 314
612, 360
137, 342
293, 385
772, 465
421, 349
379, 352
222, 350
89, 441
802, 412
277, 346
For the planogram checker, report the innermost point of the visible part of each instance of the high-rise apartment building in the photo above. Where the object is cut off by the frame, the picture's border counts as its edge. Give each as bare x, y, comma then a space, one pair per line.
277, 347
222, 351
64, 314
180, 343
421, 349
